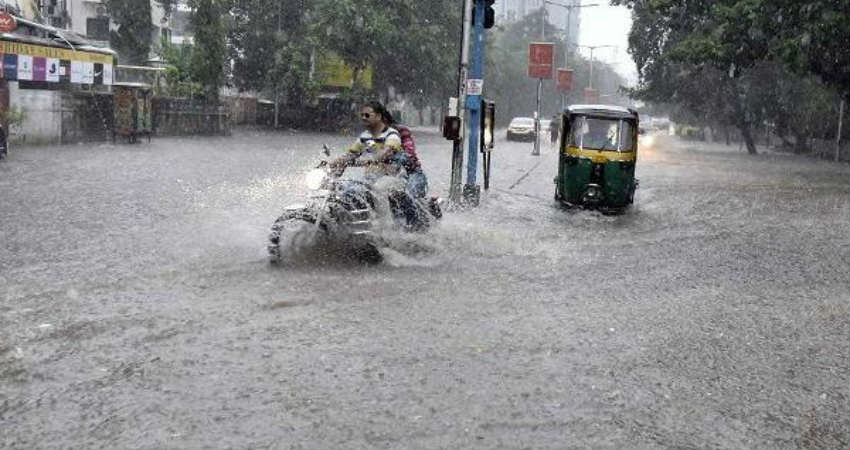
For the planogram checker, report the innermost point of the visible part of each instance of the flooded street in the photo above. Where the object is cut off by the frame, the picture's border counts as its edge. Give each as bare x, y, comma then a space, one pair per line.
138, 308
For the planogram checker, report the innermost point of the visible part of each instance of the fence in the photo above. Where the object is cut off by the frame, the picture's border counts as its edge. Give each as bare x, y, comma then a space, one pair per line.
178, 116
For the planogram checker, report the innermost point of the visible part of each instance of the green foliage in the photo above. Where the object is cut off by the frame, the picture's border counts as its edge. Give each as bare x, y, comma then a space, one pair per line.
410, 44
210, 48
167, 5
271, 46
132, 40
744, 62
14, 117
179, 73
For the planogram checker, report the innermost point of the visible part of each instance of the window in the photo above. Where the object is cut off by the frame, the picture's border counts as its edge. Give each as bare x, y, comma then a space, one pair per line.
602, 134
97, 28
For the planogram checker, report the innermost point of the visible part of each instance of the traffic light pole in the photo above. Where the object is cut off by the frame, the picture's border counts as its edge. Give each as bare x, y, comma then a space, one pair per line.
471, 190
455, 194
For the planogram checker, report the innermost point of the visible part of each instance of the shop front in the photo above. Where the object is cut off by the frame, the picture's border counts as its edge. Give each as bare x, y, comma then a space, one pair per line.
41, 68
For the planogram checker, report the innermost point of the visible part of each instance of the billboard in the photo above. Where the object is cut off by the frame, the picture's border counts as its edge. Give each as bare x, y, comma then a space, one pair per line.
332, 71
541, 59
591, 96
565, 79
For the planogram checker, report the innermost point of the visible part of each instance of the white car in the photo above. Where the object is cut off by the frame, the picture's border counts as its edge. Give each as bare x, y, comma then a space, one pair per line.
521, 128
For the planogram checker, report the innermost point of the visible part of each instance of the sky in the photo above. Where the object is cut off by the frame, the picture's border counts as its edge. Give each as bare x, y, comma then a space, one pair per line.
608, 25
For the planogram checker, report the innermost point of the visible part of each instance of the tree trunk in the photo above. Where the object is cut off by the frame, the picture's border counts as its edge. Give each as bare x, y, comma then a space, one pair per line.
800, 143
741, 121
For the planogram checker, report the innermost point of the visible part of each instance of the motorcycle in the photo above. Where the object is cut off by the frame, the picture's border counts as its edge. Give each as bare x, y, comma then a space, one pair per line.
348, 207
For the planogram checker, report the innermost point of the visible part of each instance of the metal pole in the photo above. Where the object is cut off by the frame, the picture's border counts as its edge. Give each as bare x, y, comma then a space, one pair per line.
567, 50
543, 23
536, 149
457, 150
473, 105
838, 136
590, 82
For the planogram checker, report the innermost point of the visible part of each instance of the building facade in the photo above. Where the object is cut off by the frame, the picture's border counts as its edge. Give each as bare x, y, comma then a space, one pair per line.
43, 71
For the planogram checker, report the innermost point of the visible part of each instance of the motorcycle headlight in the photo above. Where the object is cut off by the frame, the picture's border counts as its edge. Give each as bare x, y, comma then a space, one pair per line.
314, 179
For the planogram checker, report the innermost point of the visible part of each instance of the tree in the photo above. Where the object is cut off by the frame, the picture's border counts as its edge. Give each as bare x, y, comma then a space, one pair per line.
271, 48
410, 44
132, 39
210, 48
811, 37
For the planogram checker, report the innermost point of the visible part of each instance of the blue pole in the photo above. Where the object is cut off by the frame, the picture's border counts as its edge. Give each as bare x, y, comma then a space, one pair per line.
473, 102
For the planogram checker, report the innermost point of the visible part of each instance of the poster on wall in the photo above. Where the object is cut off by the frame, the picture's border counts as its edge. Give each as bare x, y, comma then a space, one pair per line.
10, 67
39, 69
88, 73
107, 74
52, 70
76, 72
25, 67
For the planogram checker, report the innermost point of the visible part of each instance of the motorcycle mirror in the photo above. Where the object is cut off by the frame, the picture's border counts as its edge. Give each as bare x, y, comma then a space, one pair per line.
326, 150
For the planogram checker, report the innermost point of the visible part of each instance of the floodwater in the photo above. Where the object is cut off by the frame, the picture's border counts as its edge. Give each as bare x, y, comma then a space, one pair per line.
138, 309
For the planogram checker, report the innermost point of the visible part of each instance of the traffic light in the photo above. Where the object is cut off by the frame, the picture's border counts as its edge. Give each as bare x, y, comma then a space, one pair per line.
489, 13
488, 124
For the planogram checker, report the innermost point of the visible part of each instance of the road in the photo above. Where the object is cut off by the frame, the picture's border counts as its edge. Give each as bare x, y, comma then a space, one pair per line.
138, 309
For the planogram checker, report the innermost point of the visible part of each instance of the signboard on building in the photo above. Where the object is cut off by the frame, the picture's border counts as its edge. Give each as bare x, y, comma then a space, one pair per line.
30, 62
52, 70
7, 22
541, 59
565, 79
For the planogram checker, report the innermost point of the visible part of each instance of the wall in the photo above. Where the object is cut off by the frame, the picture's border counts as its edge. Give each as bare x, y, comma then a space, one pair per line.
43, 109
177, 116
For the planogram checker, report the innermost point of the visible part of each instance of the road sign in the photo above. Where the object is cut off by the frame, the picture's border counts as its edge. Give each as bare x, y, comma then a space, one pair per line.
541, 59
474, 86
565, 79
591, 96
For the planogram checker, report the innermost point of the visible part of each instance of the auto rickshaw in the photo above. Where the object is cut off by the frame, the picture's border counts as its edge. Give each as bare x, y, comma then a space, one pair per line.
597, 156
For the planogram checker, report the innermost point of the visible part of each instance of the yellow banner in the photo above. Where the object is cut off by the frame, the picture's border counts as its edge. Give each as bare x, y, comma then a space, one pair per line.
7, 47
334, 72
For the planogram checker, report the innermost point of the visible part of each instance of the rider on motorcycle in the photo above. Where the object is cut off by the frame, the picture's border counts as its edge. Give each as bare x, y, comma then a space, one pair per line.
379, 144
381, 147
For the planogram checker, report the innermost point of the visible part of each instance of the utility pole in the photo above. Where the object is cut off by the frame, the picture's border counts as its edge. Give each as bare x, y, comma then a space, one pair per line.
592, 48
838, 135
474, 88
535, 151
457, 148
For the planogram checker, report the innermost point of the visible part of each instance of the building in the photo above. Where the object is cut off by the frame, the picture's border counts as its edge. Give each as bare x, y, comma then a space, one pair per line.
509, 11
41, 69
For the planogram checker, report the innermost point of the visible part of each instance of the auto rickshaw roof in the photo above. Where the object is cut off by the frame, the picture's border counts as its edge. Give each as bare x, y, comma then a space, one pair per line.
603, 110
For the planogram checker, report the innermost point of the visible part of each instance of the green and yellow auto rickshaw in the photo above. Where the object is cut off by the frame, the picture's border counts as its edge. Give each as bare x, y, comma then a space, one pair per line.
597, 156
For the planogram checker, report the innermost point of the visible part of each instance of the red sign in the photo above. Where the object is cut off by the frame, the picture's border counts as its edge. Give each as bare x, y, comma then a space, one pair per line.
7, 23
591, 96
541, 59
565, 79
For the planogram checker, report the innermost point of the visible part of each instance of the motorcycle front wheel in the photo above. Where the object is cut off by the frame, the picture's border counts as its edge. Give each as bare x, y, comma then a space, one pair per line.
292, 233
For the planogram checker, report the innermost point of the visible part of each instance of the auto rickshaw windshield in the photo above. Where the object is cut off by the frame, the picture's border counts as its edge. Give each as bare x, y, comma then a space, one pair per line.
602, 134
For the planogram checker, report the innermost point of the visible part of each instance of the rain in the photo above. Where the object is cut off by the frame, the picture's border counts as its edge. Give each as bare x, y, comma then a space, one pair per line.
140, 306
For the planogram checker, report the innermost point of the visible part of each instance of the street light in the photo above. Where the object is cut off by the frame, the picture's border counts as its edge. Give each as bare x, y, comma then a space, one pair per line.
592, 48
569, 9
